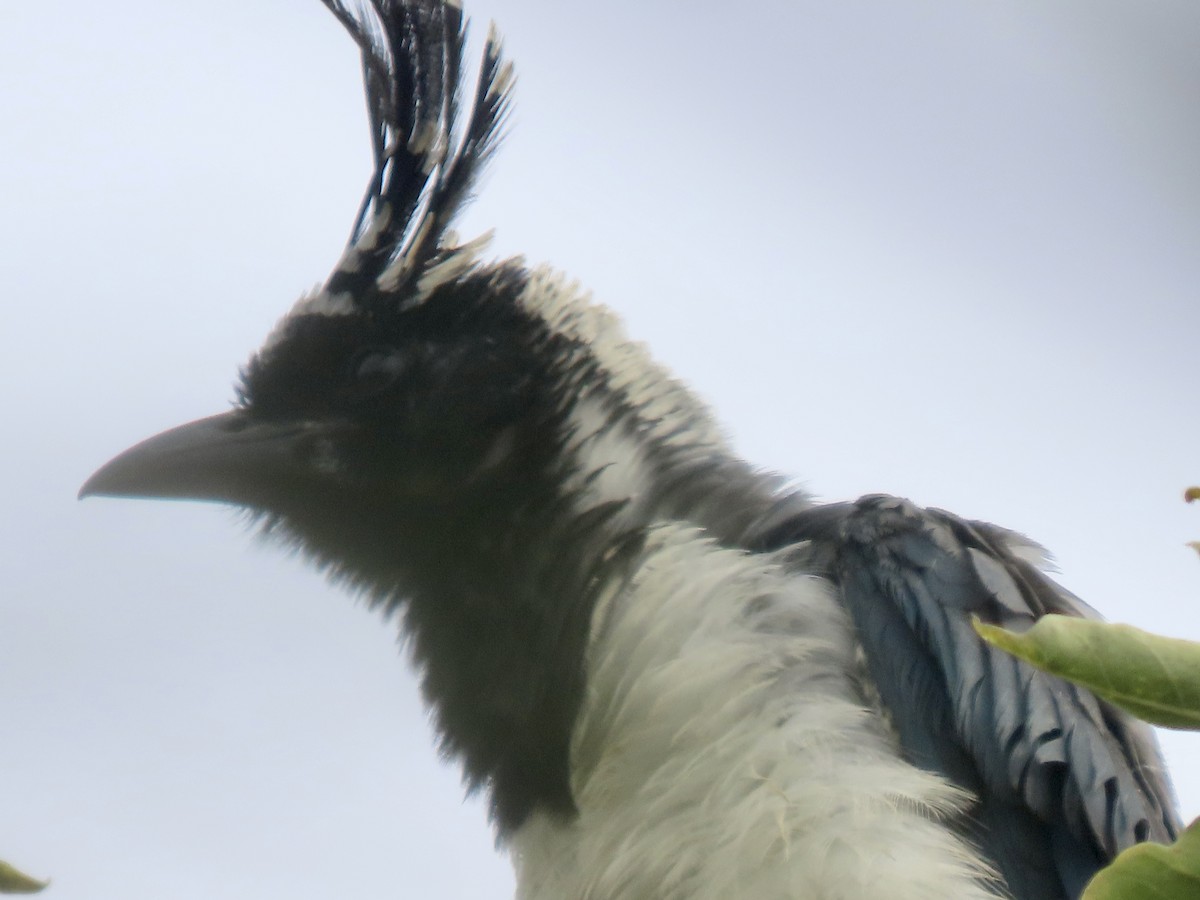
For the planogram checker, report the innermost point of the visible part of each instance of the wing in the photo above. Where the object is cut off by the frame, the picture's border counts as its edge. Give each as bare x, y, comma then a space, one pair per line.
1065, 781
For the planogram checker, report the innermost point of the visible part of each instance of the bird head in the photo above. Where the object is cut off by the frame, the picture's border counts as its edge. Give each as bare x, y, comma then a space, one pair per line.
413, 375
419, 382
413, 407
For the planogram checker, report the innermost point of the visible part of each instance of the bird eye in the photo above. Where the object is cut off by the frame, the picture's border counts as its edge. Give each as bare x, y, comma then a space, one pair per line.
376, 371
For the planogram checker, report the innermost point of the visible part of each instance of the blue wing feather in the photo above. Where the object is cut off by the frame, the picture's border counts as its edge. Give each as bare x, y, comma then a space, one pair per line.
1064, 780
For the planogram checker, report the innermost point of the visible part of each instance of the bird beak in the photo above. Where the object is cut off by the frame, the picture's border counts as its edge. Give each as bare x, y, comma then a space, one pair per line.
225, 459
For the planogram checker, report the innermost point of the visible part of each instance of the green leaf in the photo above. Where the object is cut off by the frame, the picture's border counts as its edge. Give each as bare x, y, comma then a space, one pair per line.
15, 882
1152, 872
1154, 678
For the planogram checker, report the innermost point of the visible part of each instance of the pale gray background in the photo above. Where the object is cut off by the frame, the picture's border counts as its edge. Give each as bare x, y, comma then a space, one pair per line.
944, 249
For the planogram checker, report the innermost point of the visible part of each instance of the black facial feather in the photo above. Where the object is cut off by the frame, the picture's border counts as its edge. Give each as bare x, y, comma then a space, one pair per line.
496, 589
442, 499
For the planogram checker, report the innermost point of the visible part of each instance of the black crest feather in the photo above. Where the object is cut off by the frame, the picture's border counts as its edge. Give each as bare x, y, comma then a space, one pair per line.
426, 160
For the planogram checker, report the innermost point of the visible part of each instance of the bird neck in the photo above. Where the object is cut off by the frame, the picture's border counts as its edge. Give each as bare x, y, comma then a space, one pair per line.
497, 594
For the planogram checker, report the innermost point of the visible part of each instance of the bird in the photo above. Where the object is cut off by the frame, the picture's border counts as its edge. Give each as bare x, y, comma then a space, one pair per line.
671, 674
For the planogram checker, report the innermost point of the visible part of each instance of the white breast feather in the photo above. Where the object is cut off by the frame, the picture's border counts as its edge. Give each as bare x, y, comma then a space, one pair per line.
722, 752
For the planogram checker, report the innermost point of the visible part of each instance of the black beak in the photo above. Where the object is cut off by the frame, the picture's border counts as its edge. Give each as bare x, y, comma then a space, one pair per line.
227, 458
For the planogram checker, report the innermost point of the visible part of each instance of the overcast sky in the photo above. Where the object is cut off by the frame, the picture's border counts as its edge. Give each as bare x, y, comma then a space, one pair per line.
943, 249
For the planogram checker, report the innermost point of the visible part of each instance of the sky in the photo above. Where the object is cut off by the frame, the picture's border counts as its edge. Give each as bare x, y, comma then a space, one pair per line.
944, 250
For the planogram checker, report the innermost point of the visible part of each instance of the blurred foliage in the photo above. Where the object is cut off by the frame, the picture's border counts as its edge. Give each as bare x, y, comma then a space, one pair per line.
13, 881
1152, 871
1154, 678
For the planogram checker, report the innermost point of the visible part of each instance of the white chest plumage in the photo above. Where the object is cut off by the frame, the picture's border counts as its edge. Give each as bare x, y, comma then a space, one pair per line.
724, 751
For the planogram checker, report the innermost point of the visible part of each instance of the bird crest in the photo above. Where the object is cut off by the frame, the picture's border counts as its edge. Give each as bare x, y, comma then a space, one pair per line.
428, 153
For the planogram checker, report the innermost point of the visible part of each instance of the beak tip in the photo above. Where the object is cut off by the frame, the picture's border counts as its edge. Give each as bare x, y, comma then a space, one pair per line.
87, 489
102, 483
